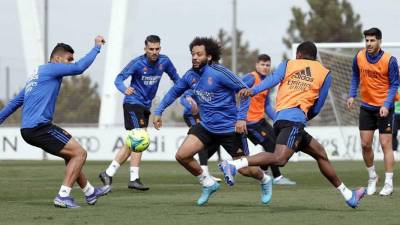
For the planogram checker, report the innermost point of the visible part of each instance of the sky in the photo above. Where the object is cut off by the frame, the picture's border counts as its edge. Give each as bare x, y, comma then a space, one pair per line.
177, 22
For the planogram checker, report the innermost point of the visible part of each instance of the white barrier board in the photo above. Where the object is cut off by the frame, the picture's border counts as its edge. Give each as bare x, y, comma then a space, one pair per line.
102, 144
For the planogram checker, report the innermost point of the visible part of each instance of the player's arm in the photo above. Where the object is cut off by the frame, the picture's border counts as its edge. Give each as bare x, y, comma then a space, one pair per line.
12, 106
269, 109
64, 69
323, 93
393, 82
171, 71
354, 83
270, 81
123, 75
188, 102
248, 79
174, 92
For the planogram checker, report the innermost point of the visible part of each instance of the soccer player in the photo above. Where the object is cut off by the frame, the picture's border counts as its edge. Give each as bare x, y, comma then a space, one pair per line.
191, 118
145, 72
38, 100
304, 85
222, 123
259, 130
376, 72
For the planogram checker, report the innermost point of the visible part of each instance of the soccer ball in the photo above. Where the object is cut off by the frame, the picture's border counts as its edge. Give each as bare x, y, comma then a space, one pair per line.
137, 140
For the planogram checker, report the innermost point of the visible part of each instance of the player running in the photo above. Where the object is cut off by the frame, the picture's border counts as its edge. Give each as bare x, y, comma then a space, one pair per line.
376, 72
38, 100
191, 117
259, 130
304, 85
145, 72
222, 123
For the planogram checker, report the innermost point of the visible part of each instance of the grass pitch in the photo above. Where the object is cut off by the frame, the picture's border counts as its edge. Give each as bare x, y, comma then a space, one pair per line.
27, 189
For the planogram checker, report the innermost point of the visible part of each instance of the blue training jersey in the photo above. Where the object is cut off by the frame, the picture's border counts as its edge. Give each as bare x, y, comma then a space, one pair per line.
215, 89
187, 107
38, 98
145, 78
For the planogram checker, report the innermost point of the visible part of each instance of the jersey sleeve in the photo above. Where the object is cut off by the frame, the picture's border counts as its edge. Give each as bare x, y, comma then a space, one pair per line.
12, 106
269, 109
65, 69
171, 71
355, 79
393, 82
271, 80
123, 75
174, 92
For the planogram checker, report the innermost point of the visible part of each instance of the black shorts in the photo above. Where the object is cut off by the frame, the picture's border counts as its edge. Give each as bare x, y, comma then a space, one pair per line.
291, 134
234, 143
261, 133
371, 120
135, 116
191, 120
48, 137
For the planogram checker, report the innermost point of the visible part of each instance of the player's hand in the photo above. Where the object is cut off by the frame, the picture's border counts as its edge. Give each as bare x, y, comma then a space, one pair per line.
241, 127
350, 102
157, 122
195, 108
383, 111
99, 40
245, 92
129, 91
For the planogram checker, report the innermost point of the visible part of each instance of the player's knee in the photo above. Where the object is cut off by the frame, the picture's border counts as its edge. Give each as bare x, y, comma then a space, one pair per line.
281, 160
81, 154
179, 157
366, 146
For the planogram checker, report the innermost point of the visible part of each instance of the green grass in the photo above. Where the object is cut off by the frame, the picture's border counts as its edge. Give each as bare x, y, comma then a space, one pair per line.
27, 189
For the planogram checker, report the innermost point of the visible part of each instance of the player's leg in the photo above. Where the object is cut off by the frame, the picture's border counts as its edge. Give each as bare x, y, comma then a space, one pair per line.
236, 145
140, 116
197, 138
123, 153
395, 127
385, 139
203, 159
367, 126
91, 193
317, 151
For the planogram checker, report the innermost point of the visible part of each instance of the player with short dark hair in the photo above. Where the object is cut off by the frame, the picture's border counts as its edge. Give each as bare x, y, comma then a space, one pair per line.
377, 74
259, 130
222, 123
145, 72
38, 99
304, 85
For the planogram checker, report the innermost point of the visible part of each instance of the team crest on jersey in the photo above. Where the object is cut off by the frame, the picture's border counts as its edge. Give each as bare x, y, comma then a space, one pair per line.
141, 122
160, 67
263, 133
194, 80
210, 81
145, 69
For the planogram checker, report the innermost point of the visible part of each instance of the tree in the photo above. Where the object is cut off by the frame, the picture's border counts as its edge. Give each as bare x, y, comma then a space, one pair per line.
327, 21
246, 57
78, 101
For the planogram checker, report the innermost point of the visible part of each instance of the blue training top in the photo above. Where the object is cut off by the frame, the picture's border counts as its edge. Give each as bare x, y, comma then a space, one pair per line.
215, 89
145, 78
39, 96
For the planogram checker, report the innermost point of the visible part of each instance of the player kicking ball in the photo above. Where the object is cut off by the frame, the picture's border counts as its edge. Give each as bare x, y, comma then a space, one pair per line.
38, 100
304, 85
